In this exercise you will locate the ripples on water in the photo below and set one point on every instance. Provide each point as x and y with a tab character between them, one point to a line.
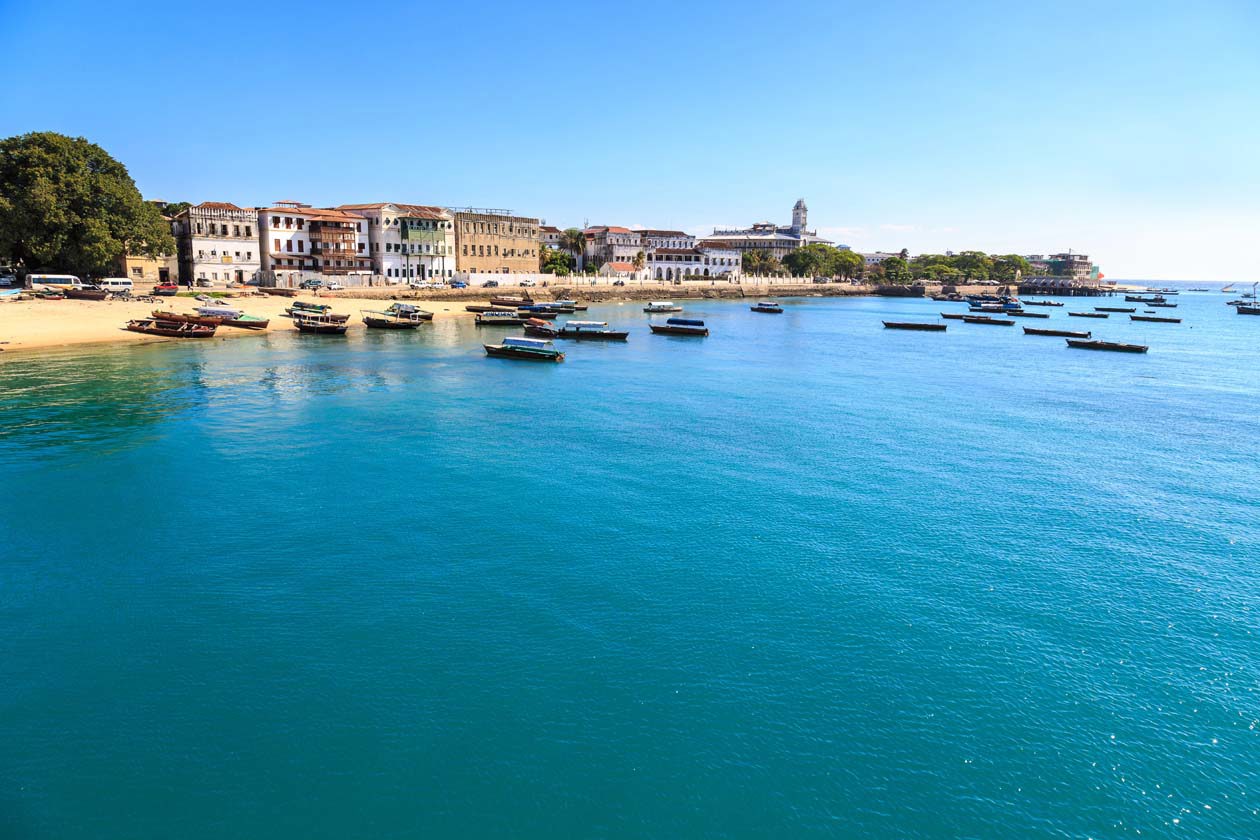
805	577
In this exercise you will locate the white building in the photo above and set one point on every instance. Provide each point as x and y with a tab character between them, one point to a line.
408	241
217	242
606	243
776	240
701	261
877	257
296	238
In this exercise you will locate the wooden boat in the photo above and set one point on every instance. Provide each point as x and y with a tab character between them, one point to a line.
662	306
1059	333
538	328
544	308
953	316
211	310
1106	345
321	324
499	318
1163	305
408	311
1143	299
537	313
300	307
50	295
1042	303
247	322
915	325
480	307
986	319
166	290
591	331
1115	309
1198	290
528	349
380	320
680	326
1227	289
1089	314
767	306
170	329
1022	314
179	318
1244	309
88	293
511	302
1155	319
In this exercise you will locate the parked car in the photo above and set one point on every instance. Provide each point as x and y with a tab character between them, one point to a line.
458	284
311	284
525	284
616	282
490	284
335	286
419	284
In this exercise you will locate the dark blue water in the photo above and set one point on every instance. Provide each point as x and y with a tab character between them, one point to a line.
807	577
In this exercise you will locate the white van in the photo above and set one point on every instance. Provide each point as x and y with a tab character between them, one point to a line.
116	284
56	281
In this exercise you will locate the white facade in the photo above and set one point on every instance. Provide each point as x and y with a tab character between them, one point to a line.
295	237
217	242
776	240
701	261
611	244
408	241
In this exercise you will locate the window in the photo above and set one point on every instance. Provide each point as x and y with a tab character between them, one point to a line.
248	231
301	246
198	227
288	221
137	270
223	229
288	245
249	255
277	248
201	254
236	230
275	221
301	222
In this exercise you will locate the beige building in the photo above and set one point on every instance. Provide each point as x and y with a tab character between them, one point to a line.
495	242
154	270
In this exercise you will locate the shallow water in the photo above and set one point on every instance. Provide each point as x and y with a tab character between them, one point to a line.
804	577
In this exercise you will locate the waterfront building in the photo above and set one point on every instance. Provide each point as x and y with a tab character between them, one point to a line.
297	238
141	269
408	241
622	270
216	242
705	259
609	243
495	242
549	235
877	257
776	240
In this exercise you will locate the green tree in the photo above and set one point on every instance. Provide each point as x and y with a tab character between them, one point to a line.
1007	269
640	260
896	271
65	204
849	264
814	260
573	241
173	208
555	261
974	265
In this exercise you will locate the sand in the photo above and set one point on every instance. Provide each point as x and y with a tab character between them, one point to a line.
39	324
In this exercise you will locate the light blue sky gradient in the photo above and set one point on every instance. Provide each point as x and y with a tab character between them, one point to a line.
1125	130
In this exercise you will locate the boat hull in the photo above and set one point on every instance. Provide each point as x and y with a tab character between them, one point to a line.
995	322
390	324
170	329
664	329
1106	345
1058	333
909	325
503	351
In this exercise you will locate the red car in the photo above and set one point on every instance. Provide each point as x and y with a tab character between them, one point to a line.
166	290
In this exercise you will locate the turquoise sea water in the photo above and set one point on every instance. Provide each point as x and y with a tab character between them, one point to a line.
807	577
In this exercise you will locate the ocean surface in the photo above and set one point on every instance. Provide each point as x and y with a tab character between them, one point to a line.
805	578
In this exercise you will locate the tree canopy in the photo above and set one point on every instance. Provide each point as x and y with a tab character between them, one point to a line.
555	261
66	205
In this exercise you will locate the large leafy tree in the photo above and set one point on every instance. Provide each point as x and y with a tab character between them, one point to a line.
66	205
896	271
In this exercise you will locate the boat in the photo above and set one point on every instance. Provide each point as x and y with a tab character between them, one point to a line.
381	320
1115	309
247	322
953	316
1235	303
511	302
1143	299
1198	290
1001	303
499	318
538	328
529	349
48	294
662	306
1022	314
1059	333
536	313
1106	345
170	329
767	306
545	309
1246	309
1042	303
227	313
915	325
1227	288
179	318
86	293
480	307
301	307
1089	314
986	319
591	331
166	290
1155	319
680	326
408	311
321	324
1163	305
10	293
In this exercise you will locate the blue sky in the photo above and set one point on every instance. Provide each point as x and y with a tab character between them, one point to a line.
1125	130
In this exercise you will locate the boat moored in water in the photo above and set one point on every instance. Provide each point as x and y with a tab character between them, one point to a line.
987	319
499	318
590	331
767	306
379	319
170	329
528	349
680	326
1089	314
1155	319
539	328
1059	333
322	324
1019	313
1115	309
1043	303
915	325
662	306
1107	345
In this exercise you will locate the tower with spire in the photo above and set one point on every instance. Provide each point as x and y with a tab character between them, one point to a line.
799	214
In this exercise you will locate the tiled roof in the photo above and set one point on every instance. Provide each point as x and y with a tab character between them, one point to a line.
317	213
620	266
216	205
676	251
661	232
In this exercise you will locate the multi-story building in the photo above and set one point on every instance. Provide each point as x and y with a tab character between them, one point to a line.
216	242
653	239
550	236
141	269
408	241
495	242
296	238
706	259
776	240
607	243
877	257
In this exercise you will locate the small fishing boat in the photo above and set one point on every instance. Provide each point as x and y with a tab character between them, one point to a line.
87	293
767	306
546	309
321	324
381	320
409	311
1227	288
170	329
1144	299
48	294
1059	333
1198	290
1115	309
499	318
591	331
166	290
1042	303
1155	319
987	319
247	322
1022	314
180	318
511	302
210	310
662	306
480	307
1247	310
915	325
1106	345
537	313
6	294
301	307
529	349
1163	305
953	316
538	328
572	304
680	326
1089	314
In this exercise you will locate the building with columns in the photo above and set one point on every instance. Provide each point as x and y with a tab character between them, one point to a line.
776	240
408	242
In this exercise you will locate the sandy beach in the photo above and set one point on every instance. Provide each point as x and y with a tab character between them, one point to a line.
40	324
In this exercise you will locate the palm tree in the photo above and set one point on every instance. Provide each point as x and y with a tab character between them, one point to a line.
639	260
573	241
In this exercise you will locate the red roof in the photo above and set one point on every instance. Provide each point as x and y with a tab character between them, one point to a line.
217	205
650	232
620	266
